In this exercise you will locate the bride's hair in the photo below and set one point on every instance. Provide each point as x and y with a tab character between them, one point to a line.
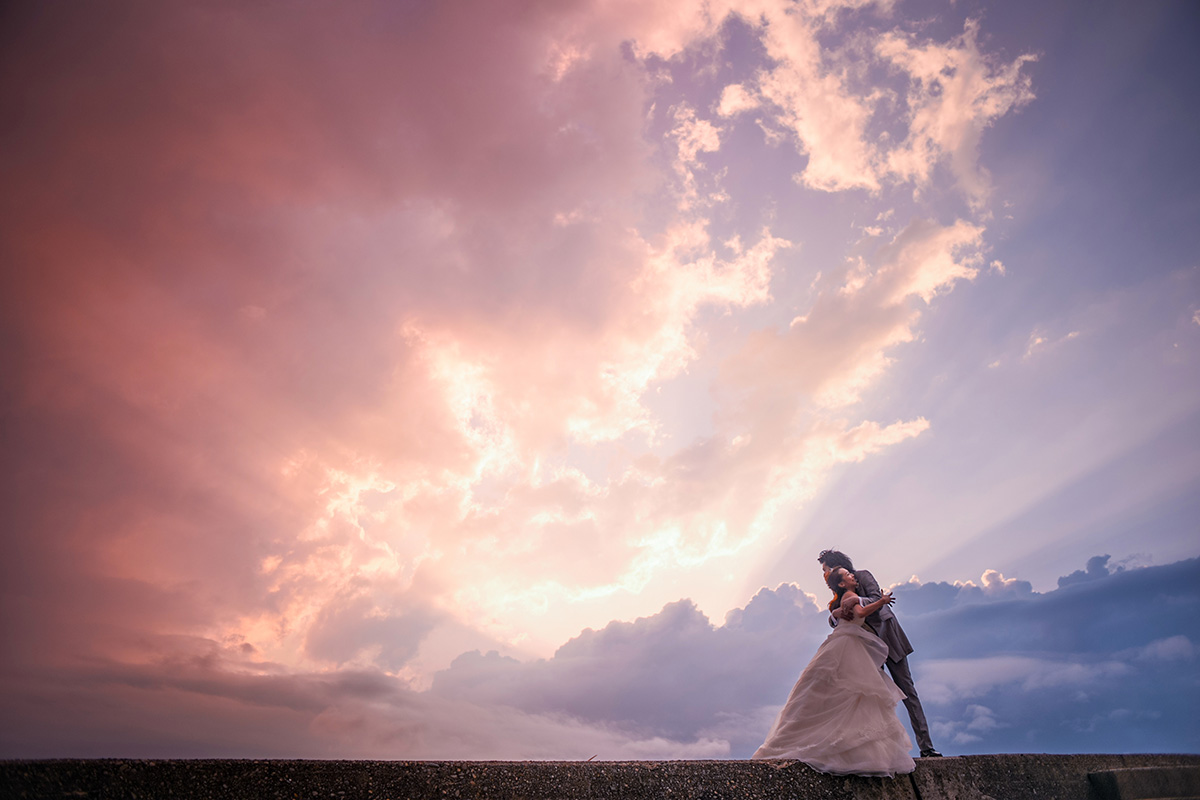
834	581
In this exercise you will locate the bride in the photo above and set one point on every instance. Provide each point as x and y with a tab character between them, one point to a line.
841	715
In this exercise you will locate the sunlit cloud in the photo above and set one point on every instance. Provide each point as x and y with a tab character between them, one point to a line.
956	93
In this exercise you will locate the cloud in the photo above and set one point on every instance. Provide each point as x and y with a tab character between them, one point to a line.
1038	342
351	623
336	366
364	309
672	674
955	93
820	95
922	598
861	313
1097	567
675	674
955	679
979	720
210	708
1072	673
335	341
592	701
735	99
670	685
1172	648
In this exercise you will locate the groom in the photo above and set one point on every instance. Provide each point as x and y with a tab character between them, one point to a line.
885	625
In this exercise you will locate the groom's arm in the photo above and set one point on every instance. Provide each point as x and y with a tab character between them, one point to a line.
868	587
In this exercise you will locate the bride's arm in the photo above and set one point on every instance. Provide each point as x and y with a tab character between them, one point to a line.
870	608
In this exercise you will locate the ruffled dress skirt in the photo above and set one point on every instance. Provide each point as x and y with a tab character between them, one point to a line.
841	715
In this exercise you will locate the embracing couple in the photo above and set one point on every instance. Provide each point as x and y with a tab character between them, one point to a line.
841	715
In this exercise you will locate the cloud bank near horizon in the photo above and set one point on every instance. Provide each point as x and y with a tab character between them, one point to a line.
1088	667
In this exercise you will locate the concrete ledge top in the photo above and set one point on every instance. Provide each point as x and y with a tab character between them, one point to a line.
990	777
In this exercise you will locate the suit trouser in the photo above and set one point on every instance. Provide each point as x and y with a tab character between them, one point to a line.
903	678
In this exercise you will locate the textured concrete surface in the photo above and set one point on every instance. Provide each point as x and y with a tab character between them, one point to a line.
967	778
1001	777
1147	783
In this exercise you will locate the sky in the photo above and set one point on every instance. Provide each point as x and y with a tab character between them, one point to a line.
480	380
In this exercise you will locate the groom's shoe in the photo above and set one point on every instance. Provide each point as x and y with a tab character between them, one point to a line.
929	752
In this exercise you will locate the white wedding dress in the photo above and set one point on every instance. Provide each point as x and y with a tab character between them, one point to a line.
841	715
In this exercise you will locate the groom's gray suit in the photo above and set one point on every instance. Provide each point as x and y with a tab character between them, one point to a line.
885	625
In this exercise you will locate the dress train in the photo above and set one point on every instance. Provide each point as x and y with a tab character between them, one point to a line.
840	717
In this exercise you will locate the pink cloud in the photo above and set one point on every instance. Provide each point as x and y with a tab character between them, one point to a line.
861	313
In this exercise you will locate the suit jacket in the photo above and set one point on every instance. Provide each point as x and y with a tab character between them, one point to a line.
883	621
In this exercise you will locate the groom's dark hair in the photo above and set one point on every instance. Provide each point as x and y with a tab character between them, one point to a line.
834	559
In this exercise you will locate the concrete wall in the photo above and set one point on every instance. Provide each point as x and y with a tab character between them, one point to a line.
996	777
